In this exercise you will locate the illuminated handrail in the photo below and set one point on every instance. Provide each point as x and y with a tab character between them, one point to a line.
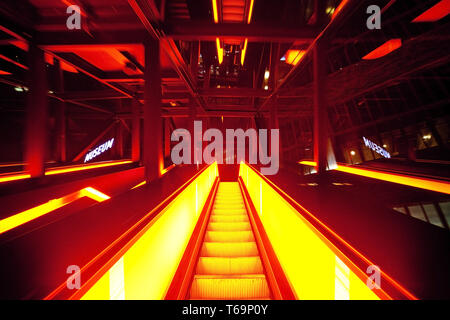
280	287
312	278
36	212
141	262
417	182
182	280
59	170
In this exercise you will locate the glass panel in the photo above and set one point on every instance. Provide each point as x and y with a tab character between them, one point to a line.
400	209
433	215
445	207
417	212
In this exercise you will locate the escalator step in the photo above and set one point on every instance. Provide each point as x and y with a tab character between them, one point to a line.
229	265
228	218
229	249
229	236
236	206
229	226
228	211
232	203
235	287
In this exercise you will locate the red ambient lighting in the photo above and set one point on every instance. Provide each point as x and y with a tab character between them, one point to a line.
384	49
435	13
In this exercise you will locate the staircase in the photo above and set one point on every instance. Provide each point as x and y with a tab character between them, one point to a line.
229	266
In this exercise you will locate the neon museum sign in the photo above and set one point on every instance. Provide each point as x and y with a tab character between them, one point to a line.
376	148
181	152
99	150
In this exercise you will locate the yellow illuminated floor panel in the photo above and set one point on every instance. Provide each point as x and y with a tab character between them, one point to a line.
229	266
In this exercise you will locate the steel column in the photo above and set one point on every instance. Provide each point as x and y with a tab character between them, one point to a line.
37	114
320	105
153	157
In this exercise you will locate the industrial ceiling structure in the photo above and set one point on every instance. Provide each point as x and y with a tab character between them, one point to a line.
242	59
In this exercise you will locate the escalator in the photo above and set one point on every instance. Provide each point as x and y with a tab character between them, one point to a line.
219	239
229	265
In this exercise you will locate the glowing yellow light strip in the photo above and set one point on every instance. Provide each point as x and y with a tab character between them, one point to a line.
138	185
219	51
94	194
216	20
84	167
165	170
244	50
250	12
308	163
11	164
38	211
422	183
14	177
215	12
21	176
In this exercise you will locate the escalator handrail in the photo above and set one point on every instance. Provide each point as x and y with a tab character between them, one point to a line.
101	263
280	287
182	279
347	253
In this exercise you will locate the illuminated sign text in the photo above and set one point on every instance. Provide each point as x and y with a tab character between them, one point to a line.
376	148
99	150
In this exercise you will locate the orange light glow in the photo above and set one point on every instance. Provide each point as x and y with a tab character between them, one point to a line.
219	51
84	167
38	211
384	49
21	44
422	183
215	12
244	50
67	67
435	13
4	72
250	11
293	56
49	59
13	177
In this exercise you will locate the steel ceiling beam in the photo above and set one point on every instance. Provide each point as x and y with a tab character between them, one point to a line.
150	13
347	8
89	73
206	31
234	92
